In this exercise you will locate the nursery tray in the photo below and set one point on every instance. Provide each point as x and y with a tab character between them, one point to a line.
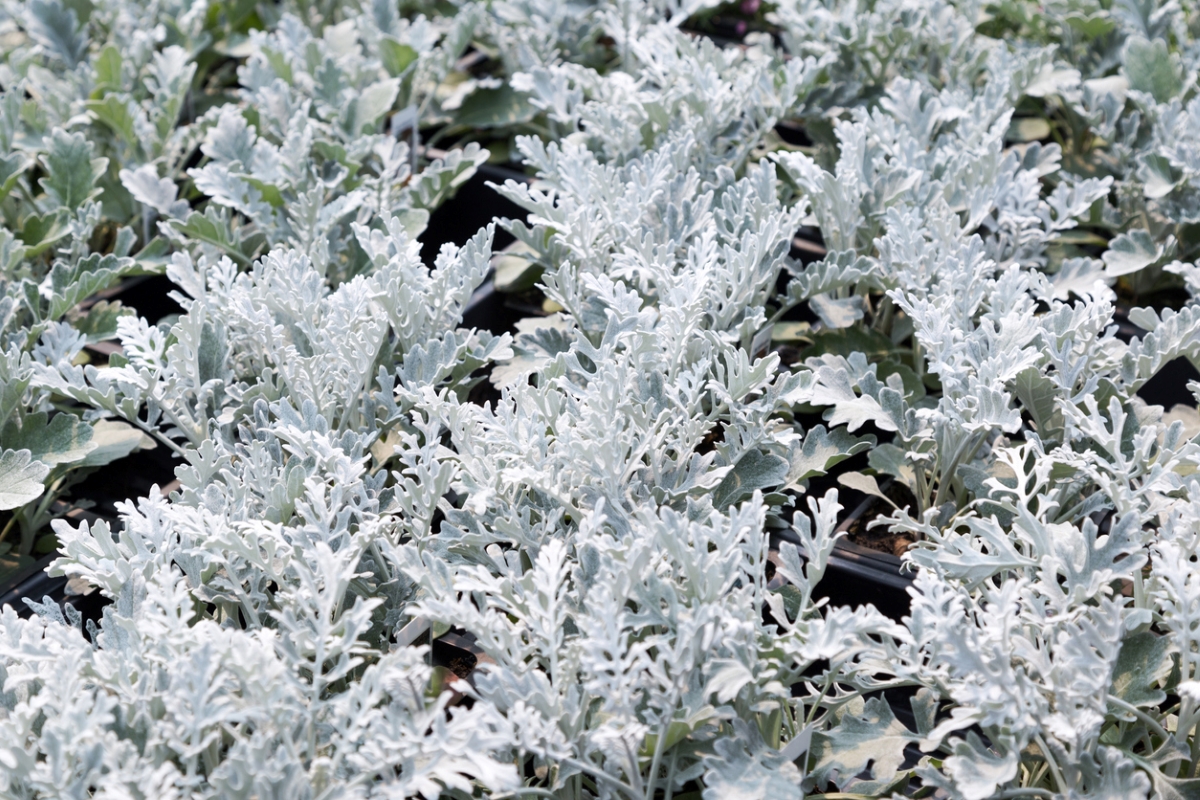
15	572
37	585
472	207
857	575
1169	388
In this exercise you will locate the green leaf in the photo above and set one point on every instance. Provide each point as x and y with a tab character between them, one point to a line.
867	734
1037	394
41	232
152	259
1157	177
114	112
100	322
793	599
413	221
1142	666
821	450
276	59
924	707
114	439
1080	237
62	439
73	285
515	269
845	341
56	28
1133	251
1091	26
211	229
678	730
493	108
83	9
11	392
396	57
20	478
441	179
269	191
8	313
914	387
755	470
107	71
1167	787
1028	129
11	168
212	353
71	171
367	108
1152	69
888	459
865	484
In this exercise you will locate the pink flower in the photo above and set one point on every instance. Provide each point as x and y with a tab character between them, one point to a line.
750	7
740	27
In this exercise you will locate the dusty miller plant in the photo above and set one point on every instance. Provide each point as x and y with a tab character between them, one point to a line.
600	527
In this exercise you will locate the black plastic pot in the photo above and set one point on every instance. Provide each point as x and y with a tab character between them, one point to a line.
491	311
1168	388
473	206
12	586
858	575
37	585
148	295
808	245
131	477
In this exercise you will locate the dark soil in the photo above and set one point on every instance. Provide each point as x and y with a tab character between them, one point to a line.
878	538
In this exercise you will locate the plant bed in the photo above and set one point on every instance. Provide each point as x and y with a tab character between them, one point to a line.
462	515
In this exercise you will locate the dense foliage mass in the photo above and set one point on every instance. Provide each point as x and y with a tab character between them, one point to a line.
1006	197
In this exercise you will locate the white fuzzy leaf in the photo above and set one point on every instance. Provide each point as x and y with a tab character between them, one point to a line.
20	478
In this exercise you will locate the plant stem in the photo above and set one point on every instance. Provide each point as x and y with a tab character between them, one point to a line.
669	790
817	703
616	783
1055	772
1142	715
659	746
